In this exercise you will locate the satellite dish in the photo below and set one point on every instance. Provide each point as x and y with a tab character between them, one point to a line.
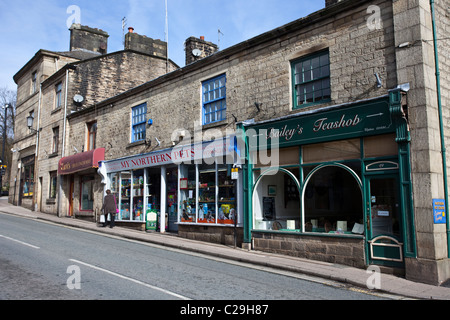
78	98
196	53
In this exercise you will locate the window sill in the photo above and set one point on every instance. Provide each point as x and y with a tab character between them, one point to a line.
50	201
53	155
215	124
135	144
56	110
302	106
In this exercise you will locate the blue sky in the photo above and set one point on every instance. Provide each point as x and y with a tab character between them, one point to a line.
28	26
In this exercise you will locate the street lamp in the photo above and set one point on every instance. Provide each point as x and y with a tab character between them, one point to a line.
30	120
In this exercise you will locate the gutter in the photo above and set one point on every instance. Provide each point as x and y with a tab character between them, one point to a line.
441	125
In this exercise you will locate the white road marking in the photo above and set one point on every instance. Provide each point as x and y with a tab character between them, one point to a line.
131	279
21	242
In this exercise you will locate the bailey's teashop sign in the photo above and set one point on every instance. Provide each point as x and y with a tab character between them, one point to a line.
364	119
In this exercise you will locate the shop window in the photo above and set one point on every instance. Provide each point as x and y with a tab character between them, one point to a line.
332	151
379	146
53	184
58	95
284	157
226	202
138	118
92	134
129	189
277	201
87	192
332	201
311	79
125	196
138	195
188	193
207	194
214	100
28	180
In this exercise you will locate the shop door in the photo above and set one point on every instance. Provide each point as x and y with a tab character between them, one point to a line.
383	220
172	199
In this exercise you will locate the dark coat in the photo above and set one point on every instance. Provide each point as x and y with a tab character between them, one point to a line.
109	204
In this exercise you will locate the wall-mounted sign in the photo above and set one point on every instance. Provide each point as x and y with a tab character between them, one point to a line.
439	211
343	122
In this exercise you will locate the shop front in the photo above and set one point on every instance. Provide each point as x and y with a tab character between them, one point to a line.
175	190
332	185
79	181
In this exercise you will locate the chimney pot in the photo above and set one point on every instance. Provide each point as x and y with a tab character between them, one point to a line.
202	38
130	29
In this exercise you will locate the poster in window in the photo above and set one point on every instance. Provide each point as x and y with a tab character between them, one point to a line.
269	209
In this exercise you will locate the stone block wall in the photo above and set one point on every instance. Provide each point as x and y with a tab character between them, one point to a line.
212	234
341	250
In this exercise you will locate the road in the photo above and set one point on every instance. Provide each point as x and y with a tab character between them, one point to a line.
40	260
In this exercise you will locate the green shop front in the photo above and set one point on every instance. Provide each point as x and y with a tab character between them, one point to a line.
333	184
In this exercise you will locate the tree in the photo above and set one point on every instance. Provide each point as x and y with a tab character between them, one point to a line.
7	97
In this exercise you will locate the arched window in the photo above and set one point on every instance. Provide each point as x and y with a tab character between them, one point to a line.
276	200
332	200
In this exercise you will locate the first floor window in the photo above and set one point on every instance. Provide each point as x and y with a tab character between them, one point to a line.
58	95
311	77
55	143
214	100
87	192
92	133
138	116
53	184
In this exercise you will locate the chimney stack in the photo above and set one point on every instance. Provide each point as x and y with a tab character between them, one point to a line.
143	44
198	48
86	38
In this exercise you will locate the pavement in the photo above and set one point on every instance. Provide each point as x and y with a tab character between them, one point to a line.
388	284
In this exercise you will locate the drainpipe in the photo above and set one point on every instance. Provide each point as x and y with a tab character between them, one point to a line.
69	67
441	124
36	153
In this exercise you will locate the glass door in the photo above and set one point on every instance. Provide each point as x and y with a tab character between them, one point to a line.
384	220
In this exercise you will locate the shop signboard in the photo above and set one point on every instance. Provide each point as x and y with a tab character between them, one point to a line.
182	154
439	211
337	123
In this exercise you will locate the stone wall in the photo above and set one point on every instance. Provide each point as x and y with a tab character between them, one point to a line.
341	250
212	234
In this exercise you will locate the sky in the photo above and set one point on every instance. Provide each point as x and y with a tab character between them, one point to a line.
30	25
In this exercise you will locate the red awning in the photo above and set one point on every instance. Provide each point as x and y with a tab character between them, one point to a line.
81	161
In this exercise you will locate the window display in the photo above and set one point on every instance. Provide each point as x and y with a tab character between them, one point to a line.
204	194
227	196
188	192
87	192
125	196
207	194
138	195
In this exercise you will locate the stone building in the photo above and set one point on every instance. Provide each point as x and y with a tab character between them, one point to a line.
53	85
349	103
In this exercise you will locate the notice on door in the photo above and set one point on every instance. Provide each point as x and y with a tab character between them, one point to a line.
439	211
